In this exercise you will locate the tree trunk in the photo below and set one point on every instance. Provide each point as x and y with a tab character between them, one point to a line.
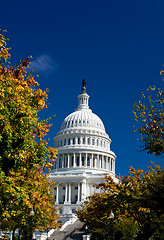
13	233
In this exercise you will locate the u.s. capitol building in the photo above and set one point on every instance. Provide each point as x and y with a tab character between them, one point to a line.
84	157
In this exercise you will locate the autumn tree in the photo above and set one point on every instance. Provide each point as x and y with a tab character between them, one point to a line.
149	113
138	197
24	153
130	201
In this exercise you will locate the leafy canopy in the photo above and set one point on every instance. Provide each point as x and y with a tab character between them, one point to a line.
24	153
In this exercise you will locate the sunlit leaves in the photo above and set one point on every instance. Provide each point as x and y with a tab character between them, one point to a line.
149	113
136	199
24	153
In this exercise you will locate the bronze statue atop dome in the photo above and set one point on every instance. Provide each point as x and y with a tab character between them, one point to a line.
84	84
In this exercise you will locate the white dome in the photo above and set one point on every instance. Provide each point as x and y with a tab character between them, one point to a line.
83	119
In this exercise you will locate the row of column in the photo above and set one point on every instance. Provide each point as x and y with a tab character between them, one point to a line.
74	160
81	193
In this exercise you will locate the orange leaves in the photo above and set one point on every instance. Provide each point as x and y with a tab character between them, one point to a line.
40	98
136	199
149	113
4	54
23	151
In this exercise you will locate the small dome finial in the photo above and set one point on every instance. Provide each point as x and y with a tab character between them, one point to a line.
84	88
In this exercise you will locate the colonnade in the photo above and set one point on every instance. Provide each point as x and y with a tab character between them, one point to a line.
69	193
86	160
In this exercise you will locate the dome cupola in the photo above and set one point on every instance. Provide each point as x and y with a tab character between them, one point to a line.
83	117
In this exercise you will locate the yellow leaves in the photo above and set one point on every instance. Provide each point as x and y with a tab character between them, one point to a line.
23	157
41	130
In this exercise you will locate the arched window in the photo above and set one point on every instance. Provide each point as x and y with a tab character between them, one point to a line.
93	141
97	142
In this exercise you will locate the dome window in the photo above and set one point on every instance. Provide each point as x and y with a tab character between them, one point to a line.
79	121
97	142
73	141
61	143
93	141
88	141
78	140
83	140
69	141
64	141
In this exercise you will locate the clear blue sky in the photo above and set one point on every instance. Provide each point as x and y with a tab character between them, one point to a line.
118	46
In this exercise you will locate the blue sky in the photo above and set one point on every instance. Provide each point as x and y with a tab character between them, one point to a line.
118	46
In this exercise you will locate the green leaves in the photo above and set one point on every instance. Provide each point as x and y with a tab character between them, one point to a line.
149	114
23	150
137	200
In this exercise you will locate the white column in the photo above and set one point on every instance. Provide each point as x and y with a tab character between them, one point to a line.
102	159
69	196
114	165
83	192
58	161
62	160
91	161
107	163
111	164
86	160
78	196
68	160
66	190
57	194
98	162
80	160
74	160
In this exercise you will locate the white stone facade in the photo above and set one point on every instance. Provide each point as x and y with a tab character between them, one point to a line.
84	157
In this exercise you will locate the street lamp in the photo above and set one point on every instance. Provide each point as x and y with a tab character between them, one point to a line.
111	216
32	213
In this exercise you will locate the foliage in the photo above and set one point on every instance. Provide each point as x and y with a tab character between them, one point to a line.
23	150
132	200
149	113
